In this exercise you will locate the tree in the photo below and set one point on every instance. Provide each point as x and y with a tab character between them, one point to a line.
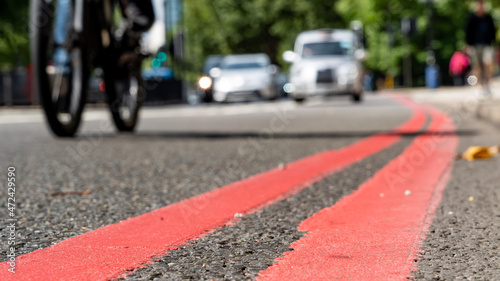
258	26
14	33
243	26
450	17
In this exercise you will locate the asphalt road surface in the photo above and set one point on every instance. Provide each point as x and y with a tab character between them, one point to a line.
72	188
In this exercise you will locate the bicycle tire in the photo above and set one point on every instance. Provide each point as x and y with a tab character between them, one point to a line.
41	32
117	99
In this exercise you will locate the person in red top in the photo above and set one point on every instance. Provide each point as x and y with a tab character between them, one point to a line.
459	66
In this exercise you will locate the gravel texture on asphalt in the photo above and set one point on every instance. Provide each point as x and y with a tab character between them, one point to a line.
464	239
242	250
168	160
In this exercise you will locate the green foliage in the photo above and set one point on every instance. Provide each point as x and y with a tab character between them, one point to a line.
243	26
14	43
450	17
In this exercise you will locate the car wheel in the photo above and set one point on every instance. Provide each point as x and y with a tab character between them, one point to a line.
208	97
274	97
357	98
299	100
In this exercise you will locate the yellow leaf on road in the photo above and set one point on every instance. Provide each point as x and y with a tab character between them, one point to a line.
480	152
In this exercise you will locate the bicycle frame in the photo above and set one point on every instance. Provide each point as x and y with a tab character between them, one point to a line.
92	21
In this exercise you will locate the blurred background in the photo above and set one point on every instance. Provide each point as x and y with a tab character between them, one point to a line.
405	39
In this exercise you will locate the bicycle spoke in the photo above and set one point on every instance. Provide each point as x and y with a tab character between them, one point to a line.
57	83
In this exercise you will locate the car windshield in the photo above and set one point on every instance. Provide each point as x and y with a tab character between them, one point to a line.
323	49
244	65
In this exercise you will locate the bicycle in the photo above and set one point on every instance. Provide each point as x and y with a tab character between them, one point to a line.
94	39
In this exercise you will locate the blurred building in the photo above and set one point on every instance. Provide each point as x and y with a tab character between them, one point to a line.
168	15
173	12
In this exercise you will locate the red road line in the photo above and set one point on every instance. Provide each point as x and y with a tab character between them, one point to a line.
111	250
374	233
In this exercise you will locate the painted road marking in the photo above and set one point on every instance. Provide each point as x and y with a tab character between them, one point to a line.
367	236
109	251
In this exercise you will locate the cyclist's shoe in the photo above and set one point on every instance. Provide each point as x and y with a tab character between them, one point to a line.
487	91
129	55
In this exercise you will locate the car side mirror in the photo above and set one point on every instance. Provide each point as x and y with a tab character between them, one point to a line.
215	72
273	69
290	56
360	55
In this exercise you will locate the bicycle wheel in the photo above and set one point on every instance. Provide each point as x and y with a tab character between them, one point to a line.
125	95
61	87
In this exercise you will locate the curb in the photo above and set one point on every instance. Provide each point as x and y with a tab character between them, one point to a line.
487	109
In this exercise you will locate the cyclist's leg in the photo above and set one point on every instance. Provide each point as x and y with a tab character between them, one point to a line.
476	69
62	20
61	26
488	65
480	62
140	17
141	14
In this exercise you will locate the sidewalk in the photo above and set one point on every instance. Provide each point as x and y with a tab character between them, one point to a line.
466	98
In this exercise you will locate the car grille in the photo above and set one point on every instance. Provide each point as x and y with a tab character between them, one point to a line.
325	76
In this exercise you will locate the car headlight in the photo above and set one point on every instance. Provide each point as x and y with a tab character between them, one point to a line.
215	72
205	82
289	88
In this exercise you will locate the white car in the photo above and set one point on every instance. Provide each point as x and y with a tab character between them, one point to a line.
325	62
244	77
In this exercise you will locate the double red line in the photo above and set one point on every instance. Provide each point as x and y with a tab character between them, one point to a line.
374	233
114	249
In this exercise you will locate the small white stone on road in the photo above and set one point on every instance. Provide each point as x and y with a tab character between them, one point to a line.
408	192
238	215
382	195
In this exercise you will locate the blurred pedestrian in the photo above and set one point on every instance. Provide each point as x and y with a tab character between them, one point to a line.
459	67
480	37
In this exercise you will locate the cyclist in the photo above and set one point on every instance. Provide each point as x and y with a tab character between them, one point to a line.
139	18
